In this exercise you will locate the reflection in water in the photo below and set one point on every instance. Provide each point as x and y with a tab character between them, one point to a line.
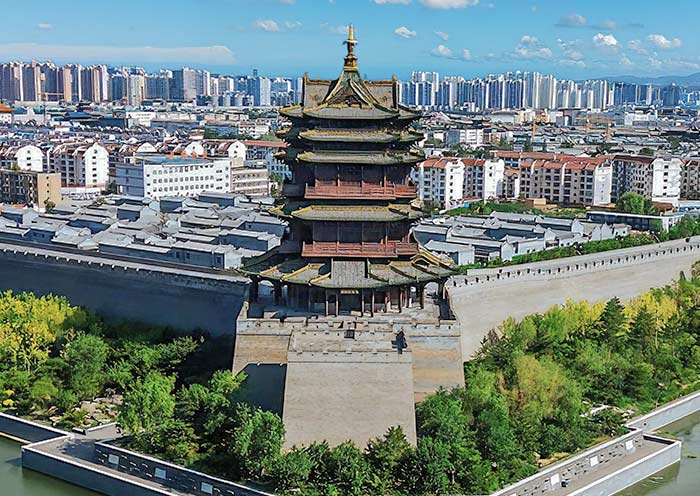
16	481
682	479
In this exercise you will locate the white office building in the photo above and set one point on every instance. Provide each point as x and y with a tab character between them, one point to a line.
468	137
159	176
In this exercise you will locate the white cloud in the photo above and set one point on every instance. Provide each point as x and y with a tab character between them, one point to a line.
447	53
665	65
442	51
335	29
292	24
636	46
442	35
572	21
287	2
573	54
571	50
601	40
404	32
625	61
606	24
385	2
44	25
267	25
449	4
531	48
572	63
660	41
533	53
215	54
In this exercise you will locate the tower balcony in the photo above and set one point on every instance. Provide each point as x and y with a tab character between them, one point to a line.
390	249
359	190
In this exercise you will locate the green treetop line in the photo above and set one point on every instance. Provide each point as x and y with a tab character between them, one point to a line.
526	401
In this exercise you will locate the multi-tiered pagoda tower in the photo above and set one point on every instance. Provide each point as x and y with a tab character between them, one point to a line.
350	202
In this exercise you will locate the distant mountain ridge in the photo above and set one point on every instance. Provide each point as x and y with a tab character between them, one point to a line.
689	80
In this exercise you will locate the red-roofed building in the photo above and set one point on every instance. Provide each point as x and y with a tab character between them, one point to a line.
567	180
449	180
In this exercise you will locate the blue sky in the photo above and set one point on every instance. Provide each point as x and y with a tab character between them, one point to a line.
569	38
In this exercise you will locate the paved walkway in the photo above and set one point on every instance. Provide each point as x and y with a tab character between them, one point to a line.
81	450
621	462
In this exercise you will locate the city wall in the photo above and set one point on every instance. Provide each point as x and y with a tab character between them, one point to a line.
117	289
434	345
484	298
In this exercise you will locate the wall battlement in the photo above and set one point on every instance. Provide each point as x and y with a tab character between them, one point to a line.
118	289
484	298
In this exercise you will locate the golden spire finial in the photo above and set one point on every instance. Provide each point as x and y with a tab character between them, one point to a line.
350	58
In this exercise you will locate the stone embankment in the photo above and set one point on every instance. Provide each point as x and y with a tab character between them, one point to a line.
612	466
88	461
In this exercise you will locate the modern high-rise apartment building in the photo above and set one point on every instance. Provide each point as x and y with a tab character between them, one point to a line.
183	87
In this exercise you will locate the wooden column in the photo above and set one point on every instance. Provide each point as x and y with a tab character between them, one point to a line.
254	290
387	296
400	299
421	295
325	297
362	303
371	308
337	302
278	292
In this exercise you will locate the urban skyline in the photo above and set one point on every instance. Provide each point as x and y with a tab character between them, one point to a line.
73	83
577	40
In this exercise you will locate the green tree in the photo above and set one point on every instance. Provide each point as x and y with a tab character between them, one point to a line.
256	440
86	356
346	470
291	471
148	403
172	440
43	391
386	455
613	322
631	203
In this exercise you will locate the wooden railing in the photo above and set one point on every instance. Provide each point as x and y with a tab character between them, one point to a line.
370	250
360	190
